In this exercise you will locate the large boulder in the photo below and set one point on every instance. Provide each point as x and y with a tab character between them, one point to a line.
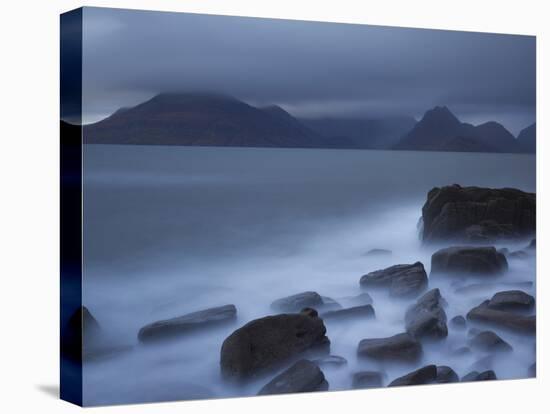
512	321
400	347
426	319
367	379
186	324
477	214
403	280
512	300
468	261
303	376
269	342
355	312
424	375
299	301
489	341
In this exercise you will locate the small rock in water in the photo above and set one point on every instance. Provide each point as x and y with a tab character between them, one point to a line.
185	324
476	376
364	311
378	252
503	319
331	361
458	322
427	319
489	341
511	300
446	375
404	280
295	303
469	261
367	379
400	347
269	342
303	376
424	375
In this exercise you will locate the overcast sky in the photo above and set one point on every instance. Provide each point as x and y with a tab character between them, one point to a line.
311	69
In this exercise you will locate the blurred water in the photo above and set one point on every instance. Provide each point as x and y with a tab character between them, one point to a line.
171	230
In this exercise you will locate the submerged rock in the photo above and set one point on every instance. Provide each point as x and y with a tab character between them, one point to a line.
303	376
367	379
364	311
504	319
477	214
446	375
424	375
427	319
268	342
400	347
476	261
458	322
185	324
476	376
404	280
331	361
490	342
511	300
299	301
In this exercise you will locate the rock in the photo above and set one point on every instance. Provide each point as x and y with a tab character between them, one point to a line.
446	375
504	319
367	379
519	254
489	341
364	311
303	376
185	324
400	347
460	261
473	332
427	319
476	376
80	334
404	280
458	322
477	214
511	300
295	303
269	342
378	253
329	303
504	251
331	361
359	300
424	375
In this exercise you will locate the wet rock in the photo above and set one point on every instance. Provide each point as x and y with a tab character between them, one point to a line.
186	324
446	375
476	214
356	312
427	319
458	322
460	261
519	323
489	341
359	300
400	347
367	379
297	302
378	253
303	376
424	375
511	300
331	361
269	342
404	280
476	376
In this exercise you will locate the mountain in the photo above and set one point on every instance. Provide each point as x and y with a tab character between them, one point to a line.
527	139
440	130
381	133
203	119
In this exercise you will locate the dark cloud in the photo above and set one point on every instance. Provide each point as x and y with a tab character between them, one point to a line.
309	68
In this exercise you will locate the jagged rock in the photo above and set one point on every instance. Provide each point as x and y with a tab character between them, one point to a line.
458	322
367	379
378	253
268	342
404	280
490	342
330	361
424	375
303	376
186	324
504	319
364	311
476	376
295	303
477	214
460	261
427	319
511	300
400	347
446	375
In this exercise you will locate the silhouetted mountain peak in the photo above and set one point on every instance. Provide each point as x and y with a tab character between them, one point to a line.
440	115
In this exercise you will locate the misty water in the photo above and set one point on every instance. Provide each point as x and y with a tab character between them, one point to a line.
172	230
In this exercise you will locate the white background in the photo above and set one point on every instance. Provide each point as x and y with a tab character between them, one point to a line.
29	194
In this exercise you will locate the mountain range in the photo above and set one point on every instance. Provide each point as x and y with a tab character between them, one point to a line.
206	119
